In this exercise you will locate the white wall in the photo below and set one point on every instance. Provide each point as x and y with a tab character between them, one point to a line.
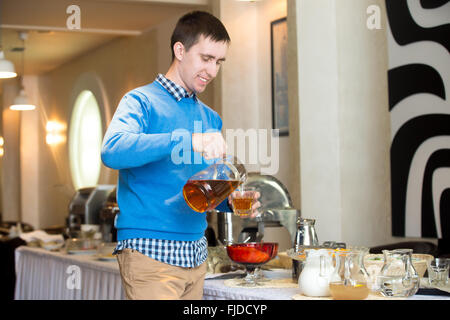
36	179
344	121
245	79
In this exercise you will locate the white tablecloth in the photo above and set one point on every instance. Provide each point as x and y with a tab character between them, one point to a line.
43	275
216	289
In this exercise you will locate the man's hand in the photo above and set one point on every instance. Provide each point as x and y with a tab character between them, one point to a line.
211	145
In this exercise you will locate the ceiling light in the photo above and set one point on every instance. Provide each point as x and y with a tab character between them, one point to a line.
6	68
21	102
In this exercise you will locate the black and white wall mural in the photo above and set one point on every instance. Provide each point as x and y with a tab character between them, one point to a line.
419	88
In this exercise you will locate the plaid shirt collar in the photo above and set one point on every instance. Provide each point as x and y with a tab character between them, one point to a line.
178	92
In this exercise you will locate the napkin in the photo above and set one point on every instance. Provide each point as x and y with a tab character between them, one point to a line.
40	235
433	292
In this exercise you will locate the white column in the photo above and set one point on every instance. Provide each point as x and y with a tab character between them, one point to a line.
29	157
319	116
344	121
10	162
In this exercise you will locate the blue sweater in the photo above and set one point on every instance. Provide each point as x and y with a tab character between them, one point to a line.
149	142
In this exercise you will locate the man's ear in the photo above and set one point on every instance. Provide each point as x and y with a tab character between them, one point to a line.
178	49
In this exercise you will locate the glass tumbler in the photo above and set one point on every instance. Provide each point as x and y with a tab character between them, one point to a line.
242	200
438	272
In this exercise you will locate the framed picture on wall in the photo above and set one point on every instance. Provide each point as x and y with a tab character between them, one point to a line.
278	44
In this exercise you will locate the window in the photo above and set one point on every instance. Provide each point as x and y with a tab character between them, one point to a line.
85	141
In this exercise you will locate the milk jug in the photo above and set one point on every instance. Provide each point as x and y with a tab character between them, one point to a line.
316	274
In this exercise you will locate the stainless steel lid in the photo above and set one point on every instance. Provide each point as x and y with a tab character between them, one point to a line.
274	195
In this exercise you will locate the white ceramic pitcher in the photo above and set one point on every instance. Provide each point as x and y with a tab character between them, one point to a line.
316	274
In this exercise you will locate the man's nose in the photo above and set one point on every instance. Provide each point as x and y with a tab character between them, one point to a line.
212	70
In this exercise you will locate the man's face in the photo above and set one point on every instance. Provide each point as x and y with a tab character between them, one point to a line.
200	65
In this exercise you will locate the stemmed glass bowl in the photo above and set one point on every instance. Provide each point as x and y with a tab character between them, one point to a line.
252	255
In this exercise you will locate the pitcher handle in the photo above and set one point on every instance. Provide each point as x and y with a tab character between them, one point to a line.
407	280
322	266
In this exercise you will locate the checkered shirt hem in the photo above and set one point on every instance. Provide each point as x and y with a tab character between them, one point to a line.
186	254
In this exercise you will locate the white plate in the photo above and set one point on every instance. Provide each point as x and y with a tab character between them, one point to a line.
103	258
82	251
52	247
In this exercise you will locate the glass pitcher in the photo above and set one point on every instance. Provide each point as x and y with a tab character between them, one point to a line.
206	189
349	280
398	277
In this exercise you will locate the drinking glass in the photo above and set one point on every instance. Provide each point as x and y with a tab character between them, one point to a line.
242	200
438	272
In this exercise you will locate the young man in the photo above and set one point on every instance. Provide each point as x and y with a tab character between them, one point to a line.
161	244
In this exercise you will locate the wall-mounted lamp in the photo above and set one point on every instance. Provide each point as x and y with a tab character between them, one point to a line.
55	132
2	141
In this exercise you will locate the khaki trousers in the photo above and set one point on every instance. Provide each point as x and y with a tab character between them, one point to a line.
144	278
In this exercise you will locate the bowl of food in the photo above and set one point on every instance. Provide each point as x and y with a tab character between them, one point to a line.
219	262
281	260
82	245
374	263
51	245
105	251
252	255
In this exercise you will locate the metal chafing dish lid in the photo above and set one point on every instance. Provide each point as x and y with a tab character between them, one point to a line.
274	195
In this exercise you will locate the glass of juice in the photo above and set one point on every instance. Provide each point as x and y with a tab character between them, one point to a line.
242	200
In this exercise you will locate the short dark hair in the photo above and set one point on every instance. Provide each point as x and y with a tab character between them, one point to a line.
193	24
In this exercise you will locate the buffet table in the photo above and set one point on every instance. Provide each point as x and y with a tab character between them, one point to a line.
46	275
214	289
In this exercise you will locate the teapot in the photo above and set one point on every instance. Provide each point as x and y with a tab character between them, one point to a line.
206	189
316	274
